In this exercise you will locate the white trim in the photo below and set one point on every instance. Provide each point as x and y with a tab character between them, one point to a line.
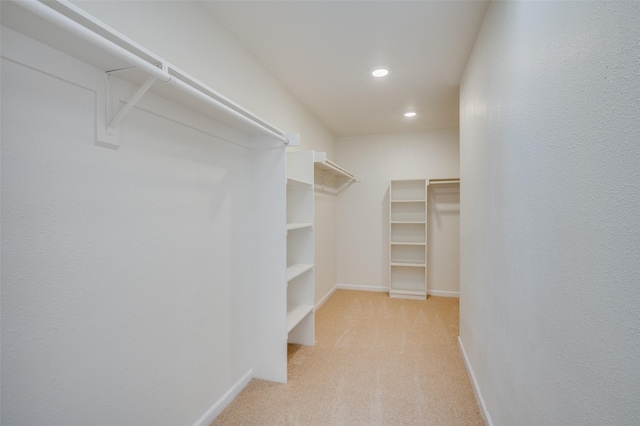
222	403
476	388
325	298
444	293
382	289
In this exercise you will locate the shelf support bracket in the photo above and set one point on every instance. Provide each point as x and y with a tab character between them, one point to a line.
130	104
108	134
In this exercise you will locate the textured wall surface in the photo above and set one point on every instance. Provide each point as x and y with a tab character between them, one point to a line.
550	195
124	274
443	235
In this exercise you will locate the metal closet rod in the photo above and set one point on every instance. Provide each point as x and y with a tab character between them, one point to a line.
161	73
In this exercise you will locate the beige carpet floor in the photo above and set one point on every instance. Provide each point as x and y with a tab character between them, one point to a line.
377	361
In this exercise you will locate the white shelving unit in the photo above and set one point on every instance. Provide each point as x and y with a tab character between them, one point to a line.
328	176
408	239
300	280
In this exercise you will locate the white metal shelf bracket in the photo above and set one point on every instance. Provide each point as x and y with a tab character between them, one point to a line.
130	104
109	117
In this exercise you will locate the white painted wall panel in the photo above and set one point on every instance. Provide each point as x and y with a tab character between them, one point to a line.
550	195
325	262
121	269
443	230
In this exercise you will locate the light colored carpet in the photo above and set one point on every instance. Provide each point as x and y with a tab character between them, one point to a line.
377	361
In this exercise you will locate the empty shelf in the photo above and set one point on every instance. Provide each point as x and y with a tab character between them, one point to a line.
292	226
443	180
333	178
413	264
294	271
291	182
295	314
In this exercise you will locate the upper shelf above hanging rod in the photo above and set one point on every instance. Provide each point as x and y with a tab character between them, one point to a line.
71	30
443	181
332	178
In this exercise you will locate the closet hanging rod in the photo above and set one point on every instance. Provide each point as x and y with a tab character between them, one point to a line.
207	98
160	71
47	13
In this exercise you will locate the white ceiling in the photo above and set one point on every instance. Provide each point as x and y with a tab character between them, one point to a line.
323	52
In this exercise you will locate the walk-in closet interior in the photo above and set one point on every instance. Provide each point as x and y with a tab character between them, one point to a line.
317	212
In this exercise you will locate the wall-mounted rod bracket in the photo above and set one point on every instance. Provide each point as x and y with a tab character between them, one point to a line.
130	104
109	113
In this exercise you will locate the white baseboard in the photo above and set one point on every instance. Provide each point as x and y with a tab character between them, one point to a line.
384	289
363	287
444	293
325	298
222	403
476	388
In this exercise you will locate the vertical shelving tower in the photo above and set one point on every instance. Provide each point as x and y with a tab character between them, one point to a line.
408	239
300	280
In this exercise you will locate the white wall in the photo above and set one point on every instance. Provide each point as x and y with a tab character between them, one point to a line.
363	208
325	242
185	34
443	245
122	271
550	195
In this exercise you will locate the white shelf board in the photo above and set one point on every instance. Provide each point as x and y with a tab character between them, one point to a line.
435	181
409	221
411	264
332	178
410	243
295	314
323	166
296	270
292	226
407	201
296	183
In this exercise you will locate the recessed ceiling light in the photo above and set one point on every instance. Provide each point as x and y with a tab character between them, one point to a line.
380	72
410	114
